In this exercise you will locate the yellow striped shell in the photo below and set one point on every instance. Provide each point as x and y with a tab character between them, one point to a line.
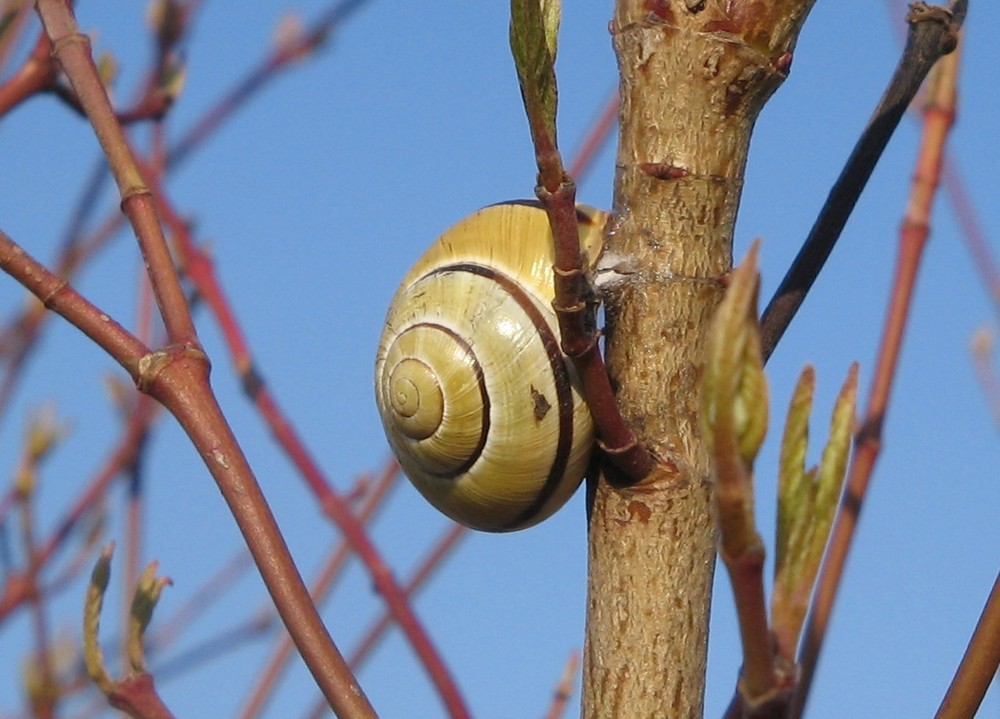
479	404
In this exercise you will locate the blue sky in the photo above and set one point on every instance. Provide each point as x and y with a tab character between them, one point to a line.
317	197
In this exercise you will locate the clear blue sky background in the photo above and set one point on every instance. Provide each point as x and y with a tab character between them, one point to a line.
317	197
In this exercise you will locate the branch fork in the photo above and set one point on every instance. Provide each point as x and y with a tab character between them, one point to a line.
155	364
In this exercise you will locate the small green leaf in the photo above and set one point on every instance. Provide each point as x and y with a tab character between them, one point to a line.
173	78
44	432
807	502
734	389
534	29
752	397
107	69
734	405
833	467
793	490
93	657
147	594
551	12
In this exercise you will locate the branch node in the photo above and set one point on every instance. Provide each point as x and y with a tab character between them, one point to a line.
70	39
47	298
149	368
127	193
664	170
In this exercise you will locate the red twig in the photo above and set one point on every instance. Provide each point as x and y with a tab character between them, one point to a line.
564	690
280	57
976	241
133	472
198	267
136	696
989	380
320	588
16	17
121	457
596	137
177	376
578	331
71	49
37	74
534	51
979	665
433	561
19	336
44	695
954	186
939	115
369	641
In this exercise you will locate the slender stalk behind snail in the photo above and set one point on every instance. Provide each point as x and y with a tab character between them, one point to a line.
479	404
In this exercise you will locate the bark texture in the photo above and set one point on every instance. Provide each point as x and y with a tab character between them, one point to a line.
694	76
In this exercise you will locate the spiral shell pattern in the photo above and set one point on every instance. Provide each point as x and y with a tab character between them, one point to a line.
477	400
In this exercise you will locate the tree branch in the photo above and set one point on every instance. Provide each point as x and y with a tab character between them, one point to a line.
932	33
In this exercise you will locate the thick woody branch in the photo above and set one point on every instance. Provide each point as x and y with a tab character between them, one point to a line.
694	76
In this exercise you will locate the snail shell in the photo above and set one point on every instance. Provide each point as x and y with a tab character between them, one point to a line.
478	402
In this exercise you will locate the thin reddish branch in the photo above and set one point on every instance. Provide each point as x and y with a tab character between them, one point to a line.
534	60
36	75
424	571
595	139
986	371
268	677
579	336
758	678
564	690
370	491
199	269
56	295
178	377
133	472
123	458
979	665
734	410
973	233
136	696
71	48
25	329
170	375
932	32
976	241
280	57
17	17
19	337
44	694
123	455
939	115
